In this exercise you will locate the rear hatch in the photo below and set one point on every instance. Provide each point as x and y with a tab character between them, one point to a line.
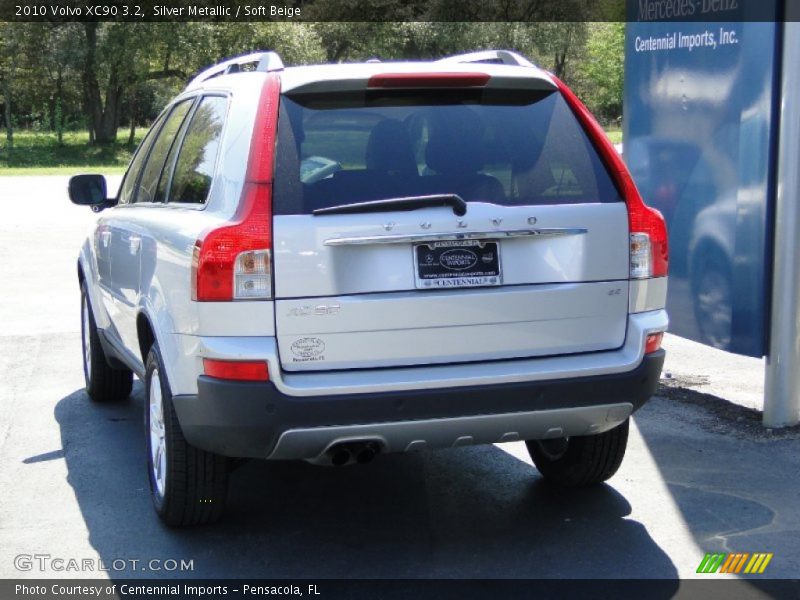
419	226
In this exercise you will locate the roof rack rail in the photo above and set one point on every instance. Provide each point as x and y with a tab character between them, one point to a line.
503	57
267	61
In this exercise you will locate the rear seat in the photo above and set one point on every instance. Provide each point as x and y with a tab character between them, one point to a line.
392	171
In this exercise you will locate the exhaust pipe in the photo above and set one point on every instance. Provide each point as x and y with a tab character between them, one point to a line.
340	455
367	453
345	453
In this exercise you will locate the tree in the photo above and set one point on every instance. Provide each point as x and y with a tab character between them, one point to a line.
603	68
7	50
103	75
122	55
343	41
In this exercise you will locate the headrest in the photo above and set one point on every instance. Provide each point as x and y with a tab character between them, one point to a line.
389	149
456	144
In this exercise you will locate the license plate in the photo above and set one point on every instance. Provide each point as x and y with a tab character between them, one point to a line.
457	264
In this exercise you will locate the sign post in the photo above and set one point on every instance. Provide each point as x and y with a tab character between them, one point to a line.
782	382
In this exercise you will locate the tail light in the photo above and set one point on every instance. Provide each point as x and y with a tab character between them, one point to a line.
648	232
653	342
234	261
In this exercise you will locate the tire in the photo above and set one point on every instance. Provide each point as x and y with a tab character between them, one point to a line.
103	383
188	486
580	461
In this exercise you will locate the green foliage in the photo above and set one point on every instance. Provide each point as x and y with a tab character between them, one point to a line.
62	77
603	69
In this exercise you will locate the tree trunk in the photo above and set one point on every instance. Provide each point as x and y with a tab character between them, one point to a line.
59	116
134	111
106	129
559	64
103	120
51	113
91	89
7	116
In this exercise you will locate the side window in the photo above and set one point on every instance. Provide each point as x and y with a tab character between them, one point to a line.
158	152
169	164
197	157
132	174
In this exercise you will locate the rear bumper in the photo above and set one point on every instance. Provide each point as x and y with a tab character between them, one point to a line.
243	419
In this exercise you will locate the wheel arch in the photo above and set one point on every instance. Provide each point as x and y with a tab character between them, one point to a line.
151	331
86	280
145	334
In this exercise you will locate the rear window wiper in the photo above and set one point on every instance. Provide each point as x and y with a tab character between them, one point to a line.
406	203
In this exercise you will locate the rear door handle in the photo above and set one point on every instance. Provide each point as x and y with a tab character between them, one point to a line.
135	243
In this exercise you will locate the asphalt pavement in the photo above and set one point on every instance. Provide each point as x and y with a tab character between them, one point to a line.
701	474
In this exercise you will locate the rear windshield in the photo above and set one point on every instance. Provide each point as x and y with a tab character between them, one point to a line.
511	148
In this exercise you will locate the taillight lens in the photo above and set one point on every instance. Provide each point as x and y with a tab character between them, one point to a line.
649	252
646	223
236	370
641	256
234	261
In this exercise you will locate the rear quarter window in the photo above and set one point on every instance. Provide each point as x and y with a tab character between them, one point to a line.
197	157
128	186
148	183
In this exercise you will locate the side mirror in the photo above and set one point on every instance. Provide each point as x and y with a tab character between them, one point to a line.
88	190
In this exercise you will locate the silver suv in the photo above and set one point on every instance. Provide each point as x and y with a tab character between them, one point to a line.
332	262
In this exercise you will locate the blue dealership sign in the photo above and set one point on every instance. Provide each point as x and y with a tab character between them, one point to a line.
699	137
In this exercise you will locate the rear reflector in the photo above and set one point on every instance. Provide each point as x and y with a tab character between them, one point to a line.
236	370
428	80
653	342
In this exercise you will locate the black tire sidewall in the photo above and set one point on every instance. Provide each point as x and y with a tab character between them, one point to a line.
578	466
91	376
104	383
153	363
195	481
90	324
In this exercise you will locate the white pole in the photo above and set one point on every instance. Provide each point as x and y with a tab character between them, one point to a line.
782	383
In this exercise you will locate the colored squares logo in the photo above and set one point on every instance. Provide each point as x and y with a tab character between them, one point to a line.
737	562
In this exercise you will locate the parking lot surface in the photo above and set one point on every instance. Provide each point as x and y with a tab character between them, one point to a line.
701	475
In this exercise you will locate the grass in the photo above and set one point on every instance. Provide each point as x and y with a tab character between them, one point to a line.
615	135
36	153
66	171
